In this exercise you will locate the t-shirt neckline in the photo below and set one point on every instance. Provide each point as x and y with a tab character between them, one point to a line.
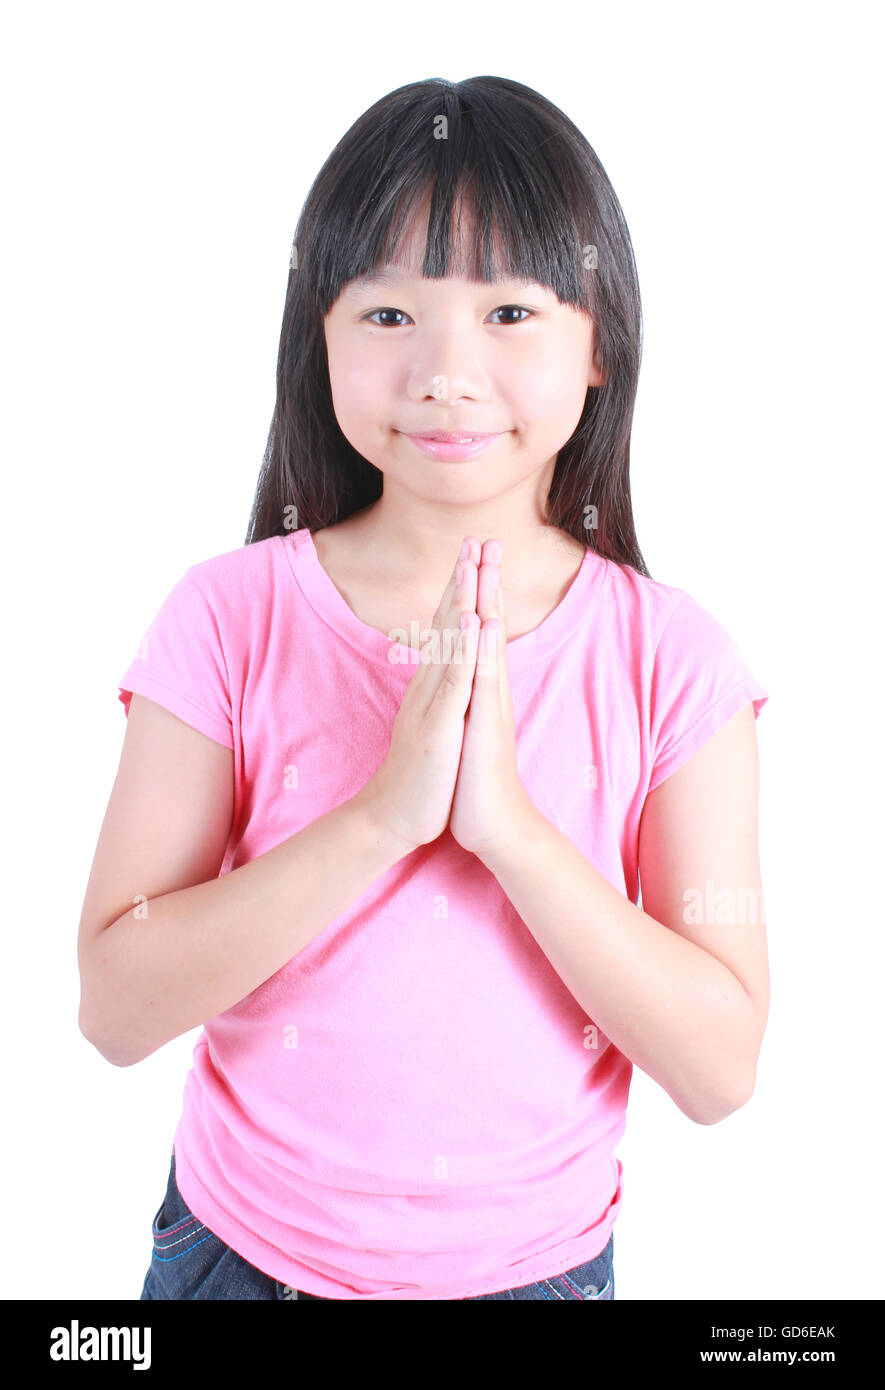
331	606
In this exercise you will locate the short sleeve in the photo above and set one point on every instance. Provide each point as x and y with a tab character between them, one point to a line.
699	680
180	663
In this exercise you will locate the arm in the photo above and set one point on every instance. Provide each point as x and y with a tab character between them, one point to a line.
686	1001
198	944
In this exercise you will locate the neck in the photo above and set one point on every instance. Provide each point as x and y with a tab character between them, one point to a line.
423	546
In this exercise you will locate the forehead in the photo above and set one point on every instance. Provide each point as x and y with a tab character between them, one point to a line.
402	258
396	275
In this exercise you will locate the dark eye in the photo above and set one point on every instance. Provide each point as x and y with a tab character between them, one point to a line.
370	317
504	308
519	309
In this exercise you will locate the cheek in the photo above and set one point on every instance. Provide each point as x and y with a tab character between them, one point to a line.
358	384
547	389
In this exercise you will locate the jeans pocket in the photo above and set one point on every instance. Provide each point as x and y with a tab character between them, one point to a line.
592	1281
184	1251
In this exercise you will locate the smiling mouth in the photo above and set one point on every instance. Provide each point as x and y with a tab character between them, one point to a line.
448	437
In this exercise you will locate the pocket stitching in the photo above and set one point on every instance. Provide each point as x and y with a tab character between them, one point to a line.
579	1291
172	1230
167	1259
571	1283
550	1284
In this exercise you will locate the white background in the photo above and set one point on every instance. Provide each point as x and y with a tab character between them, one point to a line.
154	165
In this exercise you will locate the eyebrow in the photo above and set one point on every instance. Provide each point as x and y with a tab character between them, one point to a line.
381	275
392	274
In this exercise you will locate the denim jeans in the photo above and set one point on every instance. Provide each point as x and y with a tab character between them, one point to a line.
190	1261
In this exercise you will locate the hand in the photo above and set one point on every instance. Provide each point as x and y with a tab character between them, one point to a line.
410	796
490	799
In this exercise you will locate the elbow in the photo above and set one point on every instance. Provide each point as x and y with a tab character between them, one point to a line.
113	1055
109	1050
725	1095
718	1108
714	1116
118	1059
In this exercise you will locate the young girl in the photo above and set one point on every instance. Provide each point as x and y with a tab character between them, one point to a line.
394	769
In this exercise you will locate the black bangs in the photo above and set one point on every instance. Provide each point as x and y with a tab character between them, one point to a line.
448	156
497	183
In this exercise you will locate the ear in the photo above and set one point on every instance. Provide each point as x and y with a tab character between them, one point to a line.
596	373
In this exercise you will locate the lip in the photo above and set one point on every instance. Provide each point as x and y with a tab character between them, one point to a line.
450	445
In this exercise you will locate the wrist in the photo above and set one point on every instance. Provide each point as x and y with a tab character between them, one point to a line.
522	825
377	827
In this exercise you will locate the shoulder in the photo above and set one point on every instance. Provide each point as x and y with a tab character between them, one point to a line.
644	606
663	622
241	576
686	661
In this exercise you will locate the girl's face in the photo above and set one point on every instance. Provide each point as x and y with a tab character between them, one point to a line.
408	355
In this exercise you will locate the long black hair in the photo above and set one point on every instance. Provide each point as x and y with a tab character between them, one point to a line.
535	187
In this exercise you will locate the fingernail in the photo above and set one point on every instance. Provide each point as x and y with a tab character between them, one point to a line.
465	550
459	573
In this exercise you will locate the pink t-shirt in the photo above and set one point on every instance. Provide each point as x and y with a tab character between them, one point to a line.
415	1105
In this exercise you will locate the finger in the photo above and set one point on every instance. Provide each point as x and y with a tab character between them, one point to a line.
464	598
489	602
485	680
444	611
456	683
489	597
444	606
461	599
443	643
497	605
484	710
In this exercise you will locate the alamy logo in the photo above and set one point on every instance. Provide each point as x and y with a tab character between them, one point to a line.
76	1343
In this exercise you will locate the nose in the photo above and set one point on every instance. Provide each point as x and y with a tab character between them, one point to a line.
446	365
